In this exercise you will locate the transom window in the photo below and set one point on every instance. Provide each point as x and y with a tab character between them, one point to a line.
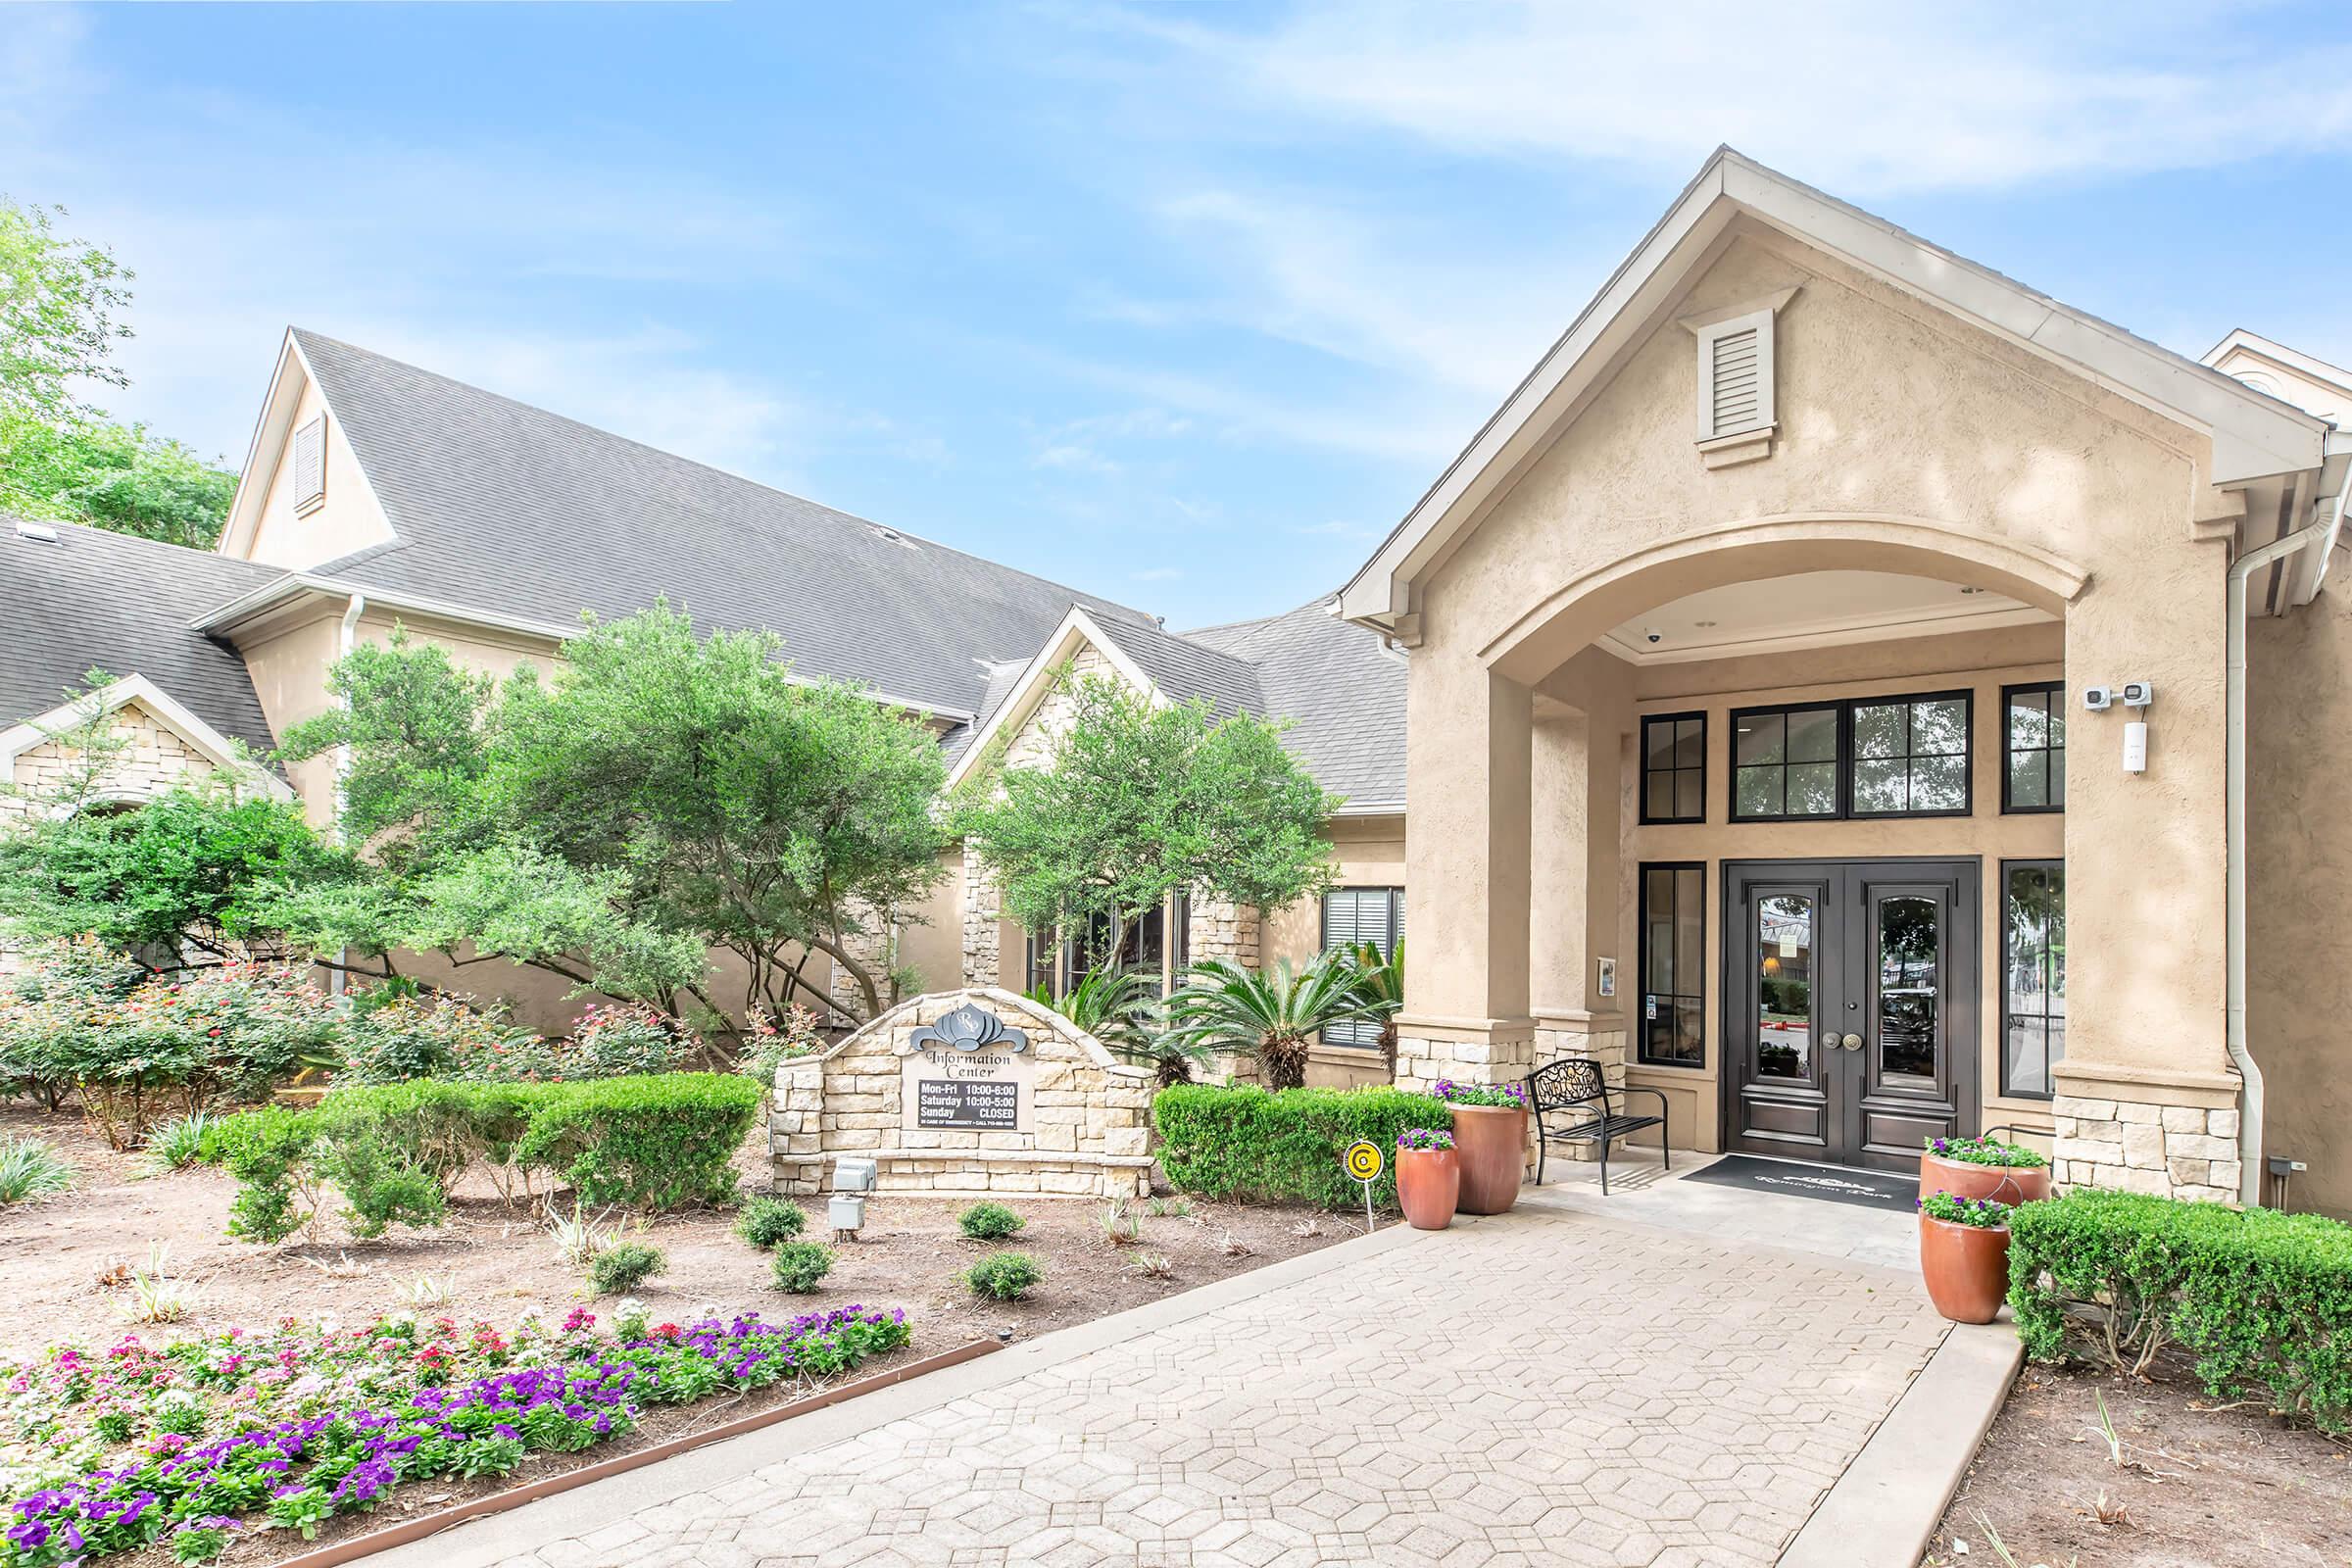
1672	1029
1354	917
1911	756
1785	762
2034	975
2034	772
1674	767
1904	756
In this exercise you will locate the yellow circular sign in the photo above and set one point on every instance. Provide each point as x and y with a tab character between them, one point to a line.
1362	1160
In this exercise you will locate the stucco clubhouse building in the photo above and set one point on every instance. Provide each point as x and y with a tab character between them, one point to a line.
1841	688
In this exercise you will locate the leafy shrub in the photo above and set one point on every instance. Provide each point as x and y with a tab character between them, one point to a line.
133	1052
989	1222
31	1168
770	1222
800	1265
769	1043
1257	1145
656	1142
1005	1276
618	1270
2262	1301
1977	1213
394	1037
394	1149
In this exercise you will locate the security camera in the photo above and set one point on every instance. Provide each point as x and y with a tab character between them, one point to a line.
1653	634
2097	699
2139	692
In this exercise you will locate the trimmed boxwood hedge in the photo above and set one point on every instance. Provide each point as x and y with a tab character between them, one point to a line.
2263	1300
655	1141
1285	1143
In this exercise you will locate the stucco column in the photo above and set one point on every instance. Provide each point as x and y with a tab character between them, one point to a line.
2146	1096
1467	875
1575	845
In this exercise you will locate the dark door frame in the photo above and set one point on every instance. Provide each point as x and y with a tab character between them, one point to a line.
1963	1024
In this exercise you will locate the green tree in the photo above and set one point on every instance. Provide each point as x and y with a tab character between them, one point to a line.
59	300
660	795
184	879
1137	800
1271	1017
89	469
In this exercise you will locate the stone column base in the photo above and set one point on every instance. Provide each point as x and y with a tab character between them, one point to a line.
1599	1036
2174	1135
1492	1050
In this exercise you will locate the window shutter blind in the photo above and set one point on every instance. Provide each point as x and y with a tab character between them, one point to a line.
1736	369
310	463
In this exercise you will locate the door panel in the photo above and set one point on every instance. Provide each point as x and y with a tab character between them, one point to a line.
1849	1000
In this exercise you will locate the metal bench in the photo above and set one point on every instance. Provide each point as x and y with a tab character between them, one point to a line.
1569	1090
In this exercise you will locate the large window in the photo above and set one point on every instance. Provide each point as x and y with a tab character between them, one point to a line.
2034	975
1910	755
2034	772
1672	1029
1674	767
1785	762
1864	756
1059	968
1351	919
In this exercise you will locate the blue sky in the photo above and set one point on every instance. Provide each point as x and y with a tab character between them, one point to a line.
1184	305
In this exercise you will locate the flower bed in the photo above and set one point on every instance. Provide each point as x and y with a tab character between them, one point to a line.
194	1440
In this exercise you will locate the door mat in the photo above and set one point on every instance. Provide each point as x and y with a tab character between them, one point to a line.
1869	1188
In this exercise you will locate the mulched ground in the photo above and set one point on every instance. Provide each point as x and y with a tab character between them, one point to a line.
2197	1487
58	1255
60	1258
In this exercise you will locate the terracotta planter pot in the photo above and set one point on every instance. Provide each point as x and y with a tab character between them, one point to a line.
1429	1184
2003	1184
1966	1267
1492	1141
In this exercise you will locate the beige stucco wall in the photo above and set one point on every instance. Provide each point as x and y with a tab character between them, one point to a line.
1888	409
1367	852
350	519
2299	928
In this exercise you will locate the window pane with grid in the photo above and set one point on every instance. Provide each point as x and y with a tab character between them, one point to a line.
1672	1026
1674	768
2034	975
1910	755
2035	777
1785	762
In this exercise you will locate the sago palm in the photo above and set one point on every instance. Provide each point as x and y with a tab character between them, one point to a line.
1273	1017
1380	981
1119	1006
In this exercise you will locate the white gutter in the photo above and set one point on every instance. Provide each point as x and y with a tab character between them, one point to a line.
2249	1121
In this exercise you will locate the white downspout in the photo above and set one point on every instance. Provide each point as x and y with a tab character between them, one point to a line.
2249	1121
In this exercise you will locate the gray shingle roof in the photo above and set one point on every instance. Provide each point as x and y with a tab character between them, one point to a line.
1343	691
108	600
519	511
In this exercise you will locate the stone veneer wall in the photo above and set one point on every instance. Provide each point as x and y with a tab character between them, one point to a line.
154	760
1093	1114
2147	1147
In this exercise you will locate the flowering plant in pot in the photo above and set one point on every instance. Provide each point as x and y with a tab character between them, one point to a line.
1429	1177
1490	1132
1964	1256
1983	1167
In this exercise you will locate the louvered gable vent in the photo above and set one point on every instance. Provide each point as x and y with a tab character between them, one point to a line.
1734	376
1738	393
310	466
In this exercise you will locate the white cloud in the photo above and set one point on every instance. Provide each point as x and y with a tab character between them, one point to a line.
1855	95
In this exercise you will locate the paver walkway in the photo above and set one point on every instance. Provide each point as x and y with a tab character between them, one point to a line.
1544	1387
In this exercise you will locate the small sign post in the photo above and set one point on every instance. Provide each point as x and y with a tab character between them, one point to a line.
1364	1162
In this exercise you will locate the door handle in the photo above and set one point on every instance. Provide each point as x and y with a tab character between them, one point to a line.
1851	1042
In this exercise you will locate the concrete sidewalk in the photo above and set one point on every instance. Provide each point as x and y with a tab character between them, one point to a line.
1547	1387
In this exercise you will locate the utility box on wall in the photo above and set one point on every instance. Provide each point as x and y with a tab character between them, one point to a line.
972	1093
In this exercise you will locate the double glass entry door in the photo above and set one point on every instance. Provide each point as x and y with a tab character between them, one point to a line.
1850	999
